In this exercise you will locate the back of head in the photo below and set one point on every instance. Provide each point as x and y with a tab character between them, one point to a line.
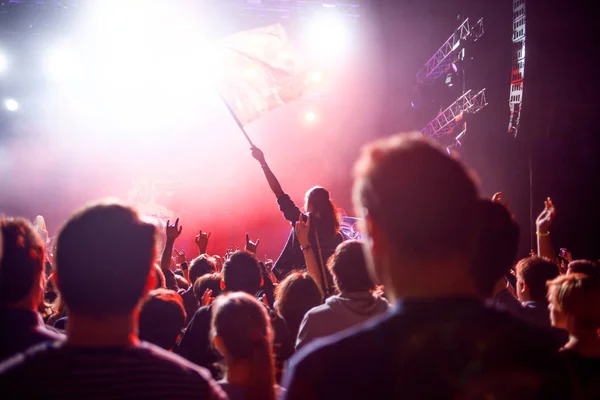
325	216
497	246
207	281
577	295
349	268
199	266
162	317
241	273
22	264
585	267
103	259
241	329
422	200
535	272
294	296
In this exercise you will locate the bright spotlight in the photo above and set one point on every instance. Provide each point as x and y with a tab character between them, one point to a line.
3	63
316	76
61	65
11	104
250	74
310	116
327	35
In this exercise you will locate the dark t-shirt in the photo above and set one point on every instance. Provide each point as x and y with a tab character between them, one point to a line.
586	372
21	329
431	349
196	346
57	371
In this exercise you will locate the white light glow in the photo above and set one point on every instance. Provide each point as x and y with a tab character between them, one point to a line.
11	104
62	65
316	77
327	36
310	116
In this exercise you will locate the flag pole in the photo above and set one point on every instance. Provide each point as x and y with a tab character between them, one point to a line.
237	121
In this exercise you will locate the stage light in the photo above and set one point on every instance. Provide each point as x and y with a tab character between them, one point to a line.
316	76
61	65
449	80
11	104
310	116
3	62
327	35
250	74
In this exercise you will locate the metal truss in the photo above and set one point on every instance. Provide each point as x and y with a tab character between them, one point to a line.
449	52
446	122
515	100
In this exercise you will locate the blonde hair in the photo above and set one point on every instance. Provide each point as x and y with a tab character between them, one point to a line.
577	295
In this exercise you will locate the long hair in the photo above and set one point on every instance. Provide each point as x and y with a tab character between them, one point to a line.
242	324
294	296
324	214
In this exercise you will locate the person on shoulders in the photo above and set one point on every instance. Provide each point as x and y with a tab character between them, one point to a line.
421	217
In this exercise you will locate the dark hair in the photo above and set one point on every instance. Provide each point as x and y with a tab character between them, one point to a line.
162	317
536	272
103	259
294	296
242	324
349	268
422	199
208	281
496	248
324	215
241	273
199	266
22	264
585	267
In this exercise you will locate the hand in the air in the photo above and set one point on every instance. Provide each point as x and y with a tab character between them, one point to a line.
173	231
250	245
544	220
258	155
302	228
201	241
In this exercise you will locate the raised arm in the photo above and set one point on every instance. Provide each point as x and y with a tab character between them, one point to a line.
542	224
271	178
302	228
173	232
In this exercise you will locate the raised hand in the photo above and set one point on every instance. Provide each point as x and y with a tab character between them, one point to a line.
173	231
258	155
250	245
497	198
544	220
201	241
207	298
302	228
179	256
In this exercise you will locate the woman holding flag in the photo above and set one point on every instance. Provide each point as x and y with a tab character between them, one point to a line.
321	218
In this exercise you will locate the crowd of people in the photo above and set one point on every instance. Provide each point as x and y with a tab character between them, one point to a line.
431	303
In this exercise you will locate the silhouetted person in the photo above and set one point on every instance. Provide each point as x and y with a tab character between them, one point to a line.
325	226
21	289
103	268
420	213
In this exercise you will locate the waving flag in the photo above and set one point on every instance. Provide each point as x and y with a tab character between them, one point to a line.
260	70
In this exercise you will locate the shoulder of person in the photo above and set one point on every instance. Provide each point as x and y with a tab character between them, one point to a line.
176	361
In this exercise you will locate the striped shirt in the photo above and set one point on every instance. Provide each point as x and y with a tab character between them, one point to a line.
55	370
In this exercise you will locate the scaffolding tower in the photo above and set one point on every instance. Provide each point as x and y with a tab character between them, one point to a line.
452	117
442	59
